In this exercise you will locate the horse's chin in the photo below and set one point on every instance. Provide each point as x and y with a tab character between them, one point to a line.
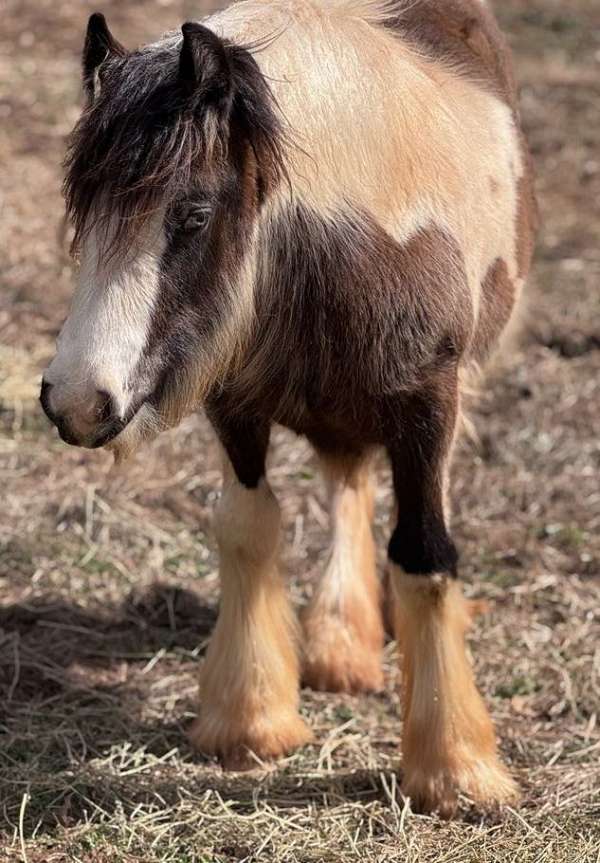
142	428
167	412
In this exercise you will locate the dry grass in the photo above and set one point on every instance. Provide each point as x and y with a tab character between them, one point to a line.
108	579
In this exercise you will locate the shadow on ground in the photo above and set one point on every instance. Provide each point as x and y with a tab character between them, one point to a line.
74	689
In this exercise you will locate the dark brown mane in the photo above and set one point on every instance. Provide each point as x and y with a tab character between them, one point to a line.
143	140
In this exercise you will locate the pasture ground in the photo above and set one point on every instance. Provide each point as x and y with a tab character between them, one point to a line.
108	578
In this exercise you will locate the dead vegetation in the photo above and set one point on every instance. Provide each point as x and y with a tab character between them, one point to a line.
108	578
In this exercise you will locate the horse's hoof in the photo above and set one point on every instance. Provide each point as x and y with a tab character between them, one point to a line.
484	781
241	745
342	655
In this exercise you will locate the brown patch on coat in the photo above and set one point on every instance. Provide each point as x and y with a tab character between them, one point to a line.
497	300
347	319
463	34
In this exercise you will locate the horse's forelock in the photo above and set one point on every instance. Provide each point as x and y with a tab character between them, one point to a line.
141	143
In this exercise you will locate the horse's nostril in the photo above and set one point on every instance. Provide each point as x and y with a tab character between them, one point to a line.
105	406
85	420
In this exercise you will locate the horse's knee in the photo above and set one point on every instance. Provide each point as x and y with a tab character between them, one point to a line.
423	549
246	524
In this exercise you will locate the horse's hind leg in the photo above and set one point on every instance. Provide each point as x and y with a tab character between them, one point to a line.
448	739
342	625
249	685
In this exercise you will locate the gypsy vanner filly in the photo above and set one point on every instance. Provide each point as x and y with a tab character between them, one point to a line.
316	213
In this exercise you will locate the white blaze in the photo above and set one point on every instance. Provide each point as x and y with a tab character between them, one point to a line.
104	336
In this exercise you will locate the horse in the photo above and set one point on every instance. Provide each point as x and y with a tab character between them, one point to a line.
318	214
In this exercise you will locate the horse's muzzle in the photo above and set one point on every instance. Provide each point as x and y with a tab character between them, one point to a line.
92	423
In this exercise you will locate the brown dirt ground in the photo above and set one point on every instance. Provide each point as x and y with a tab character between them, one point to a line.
108	578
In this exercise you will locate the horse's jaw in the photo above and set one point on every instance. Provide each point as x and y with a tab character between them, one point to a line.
143	427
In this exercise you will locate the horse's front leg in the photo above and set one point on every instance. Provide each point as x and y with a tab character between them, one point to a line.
249	685
449	743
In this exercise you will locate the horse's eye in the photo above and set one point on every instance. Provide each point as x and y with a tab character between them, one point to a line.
194	217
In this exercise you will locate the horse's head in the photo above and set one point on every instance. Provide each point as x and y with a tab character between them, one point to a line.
168	168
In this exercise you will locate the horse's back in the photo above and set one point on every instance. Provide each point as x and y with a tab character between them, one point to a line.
463	34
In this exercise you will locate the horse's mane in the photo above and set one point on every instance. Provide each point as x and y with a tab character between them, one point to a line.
141	143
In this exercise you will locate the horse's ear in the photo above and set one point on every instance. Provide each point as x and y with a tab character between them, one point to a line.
99	46
204	68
